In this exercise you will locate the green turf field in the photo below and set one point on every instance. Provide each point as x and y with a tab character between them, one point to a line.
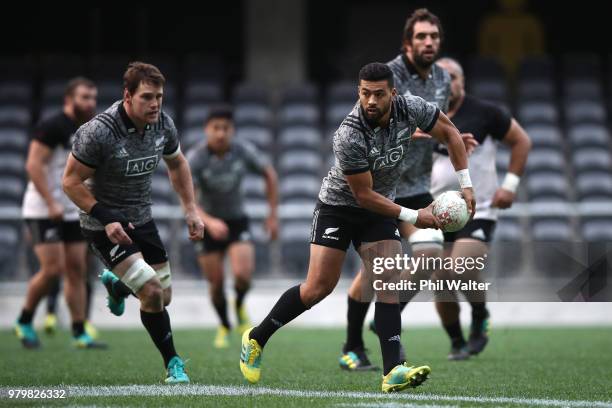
521	367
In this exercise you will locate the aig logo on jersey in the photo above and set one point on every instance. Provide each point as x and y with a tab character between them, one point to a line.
389	159
140	166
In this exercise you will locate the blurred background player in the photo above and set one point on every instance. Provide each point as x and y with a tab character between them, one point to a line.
50	323
489	124
218	166
108	176
355	205
53	219
414	73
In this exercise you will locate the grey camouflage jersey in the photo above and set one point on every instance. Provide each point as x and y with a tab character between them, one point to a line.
124	161
384	152
218	179
435	89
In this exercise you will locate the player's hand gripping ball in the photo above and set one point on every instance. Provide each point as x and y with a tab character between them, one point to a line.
451	210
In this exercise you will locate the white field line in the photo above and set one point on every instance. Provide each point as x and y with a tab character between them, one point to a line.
251	391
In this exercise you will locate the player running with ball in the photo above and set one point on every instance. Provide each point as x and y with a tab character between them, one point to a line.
356	205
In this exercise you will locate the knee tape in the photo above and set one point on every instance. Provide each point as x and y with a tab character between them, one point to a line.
164	275
138	274
428	238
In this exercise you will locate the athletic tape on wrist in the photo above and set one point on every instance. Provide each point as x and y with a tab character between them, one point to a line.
464	178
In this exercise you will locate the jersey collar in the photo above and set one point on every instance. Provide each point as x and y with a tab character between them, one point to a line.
129	125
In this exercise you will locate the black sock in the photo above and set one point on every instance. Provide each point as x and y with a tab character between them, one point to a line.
288	307
78	328
455	333
52	296
119	290
220	306
479	314
26	317
403	306
355	316
88	297
241	292
158	326
388	322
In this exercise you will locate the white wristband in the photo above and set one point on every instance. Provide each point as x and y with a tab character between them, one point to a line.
464	178
408	215
511	182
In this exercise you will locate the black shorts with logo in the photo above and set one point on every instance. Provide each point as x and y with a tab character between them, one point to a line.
479	229
338	226
145	239
238	231
46	231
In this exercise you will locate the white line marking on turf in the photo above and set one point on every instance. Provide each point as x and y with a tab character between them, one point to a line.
392	405
217	390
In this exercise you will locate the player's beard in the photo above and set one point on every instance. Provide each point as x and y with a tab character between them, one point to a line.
374	119
424	63
83	115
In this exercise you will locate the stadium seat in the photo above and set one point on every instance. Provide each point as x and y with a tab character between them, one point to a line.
9	242
15	92
109	67
195	114
260	136
480	68
549	184
336	112
591	159
597	230
545	136
300	94
191	137
15	116
589	135
490	89
553	247
342	92
546	159
537	112
594	186
536	67
300	137
12	189
583	89
300	161
532	90
202	92
505	256
299	113
299	187
251	94
12	164
254	186
14	140
295	246
585	112
62	67
252	114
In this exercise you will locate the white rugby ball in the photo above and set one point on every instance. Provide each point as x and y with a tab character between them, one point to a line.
451	210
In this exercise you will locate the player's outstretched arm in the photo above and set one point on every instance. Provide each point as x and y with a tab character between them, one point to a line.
517	139
180	177
361	186
445	132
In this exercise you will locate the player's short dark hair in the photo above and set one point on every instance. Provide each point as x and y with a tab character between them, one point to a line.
417	16
219	112
138	72
376	71
74	83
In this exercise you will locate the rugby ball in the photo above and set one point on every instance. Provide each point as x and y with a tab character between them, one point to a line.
451	210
